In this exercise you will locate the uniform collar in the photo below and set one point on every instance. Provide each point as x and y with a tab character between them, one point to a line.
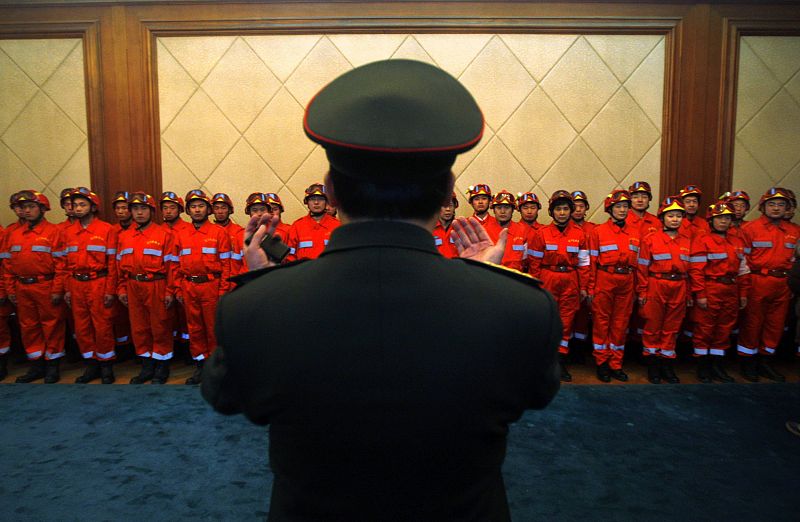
38	227
381	233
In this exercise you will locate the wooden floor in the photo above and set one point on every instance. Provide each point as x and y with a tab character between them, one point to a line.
181	368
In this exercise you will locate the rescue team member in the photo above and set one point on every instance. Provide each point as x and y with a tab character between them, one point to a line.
529	206
204	252
122	324
352	438
275	206
441	231
643	223
663	291
309	235
5	311
769	243
222	207
66	204
34	283
614	249
146	259
560	258
480	197
172	206
692	225
720	284
580	328
503	205
91	284
739	200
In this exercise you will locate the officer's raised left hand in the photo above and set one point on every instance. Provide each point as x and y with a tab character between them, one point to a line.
256	230
473	242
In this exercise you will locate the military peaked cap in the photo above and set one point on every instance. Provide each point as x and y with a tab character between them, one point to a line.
394	110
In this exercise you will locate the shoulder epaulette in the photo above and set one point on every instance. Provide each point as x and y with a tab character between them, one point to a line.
500	269
242	279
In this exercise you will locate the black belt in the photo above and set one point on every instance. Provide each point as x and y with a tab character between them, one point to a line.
559	268
88	276
29	280
669	276
725	280
773	273
203	278
144	278
616	269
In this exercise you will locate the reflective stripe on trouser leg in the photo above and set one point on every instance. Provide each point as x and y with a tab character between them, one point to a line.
767	305
200	303
41	323
93	321
139	313
159	321
714	325
5	330
564	287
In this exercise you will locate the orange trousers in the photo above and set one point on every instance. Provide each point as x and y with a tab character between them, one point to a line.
150	319
180	329
93	321
200	303
611	312
565	290
121	323
762	326
714	325
582	321
663	313
6	311
42	323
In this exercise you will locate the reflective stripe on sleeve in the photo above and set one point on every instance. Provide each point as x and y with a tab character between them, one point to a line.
225	255
185	252
305	244
645	262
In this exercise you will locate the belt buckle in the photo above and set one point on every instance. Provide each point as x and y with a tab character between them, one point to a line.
142	277
82	277
562	268
27	280
621	269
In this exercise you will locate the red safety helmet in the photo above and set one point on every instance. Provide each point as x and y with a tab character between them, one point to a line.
120	197
35	196
141	198
65	194
560	196
481	189
720	208
616	196
789	192
256	198
12	200
171	197
640	186
690	190
737	194
274	199
579	195
527	197
221	197
671	203
83	192
503	197
315	189
775	193
198	194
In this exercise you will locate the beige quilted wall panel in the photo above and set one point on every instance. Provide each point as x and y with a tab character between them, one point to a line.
766	151
43	137
562	111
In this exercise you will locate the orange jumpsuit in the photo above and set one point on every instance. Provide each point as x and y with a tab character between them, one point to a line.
180	330
5	309
33	272
614	251
236	236
769	249
146	260
645	225
515	255
580	328
719	274
491	225
561	261
121	322
662	278
444	242
91	274
308	238
694	227
204	268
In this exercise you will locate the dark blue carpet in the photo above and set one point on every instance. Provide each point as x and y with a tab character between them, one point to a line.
688	452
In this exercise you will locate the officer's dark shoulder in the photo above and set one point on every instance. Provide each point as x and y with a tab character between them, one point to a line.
504	271
248	277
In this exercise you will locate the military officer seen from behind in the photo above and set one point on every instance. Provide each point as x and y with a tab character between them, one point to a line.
388	418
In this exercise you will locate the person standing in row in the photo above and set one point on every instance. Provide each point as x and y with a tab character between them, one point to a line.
480	197
614	248
222	207
720	284
34	283
5	311
580	328
309	235
560	258
146	260
663	291
91	283
172	206
503	205
441	231
204	252
122	323
529	206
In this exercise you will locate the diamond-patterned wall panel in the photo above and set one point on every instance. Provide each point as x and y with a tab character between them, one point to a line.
767	115
547	101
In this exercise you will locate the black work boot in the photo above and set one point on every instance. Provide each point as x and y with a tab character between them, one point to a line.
765	370
35	372
3	366
749	368
603	373
91	372
162	372
718	372
197	376
51	372
107	373
146	373
653	369
704	369
562	364
668	372
619	375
